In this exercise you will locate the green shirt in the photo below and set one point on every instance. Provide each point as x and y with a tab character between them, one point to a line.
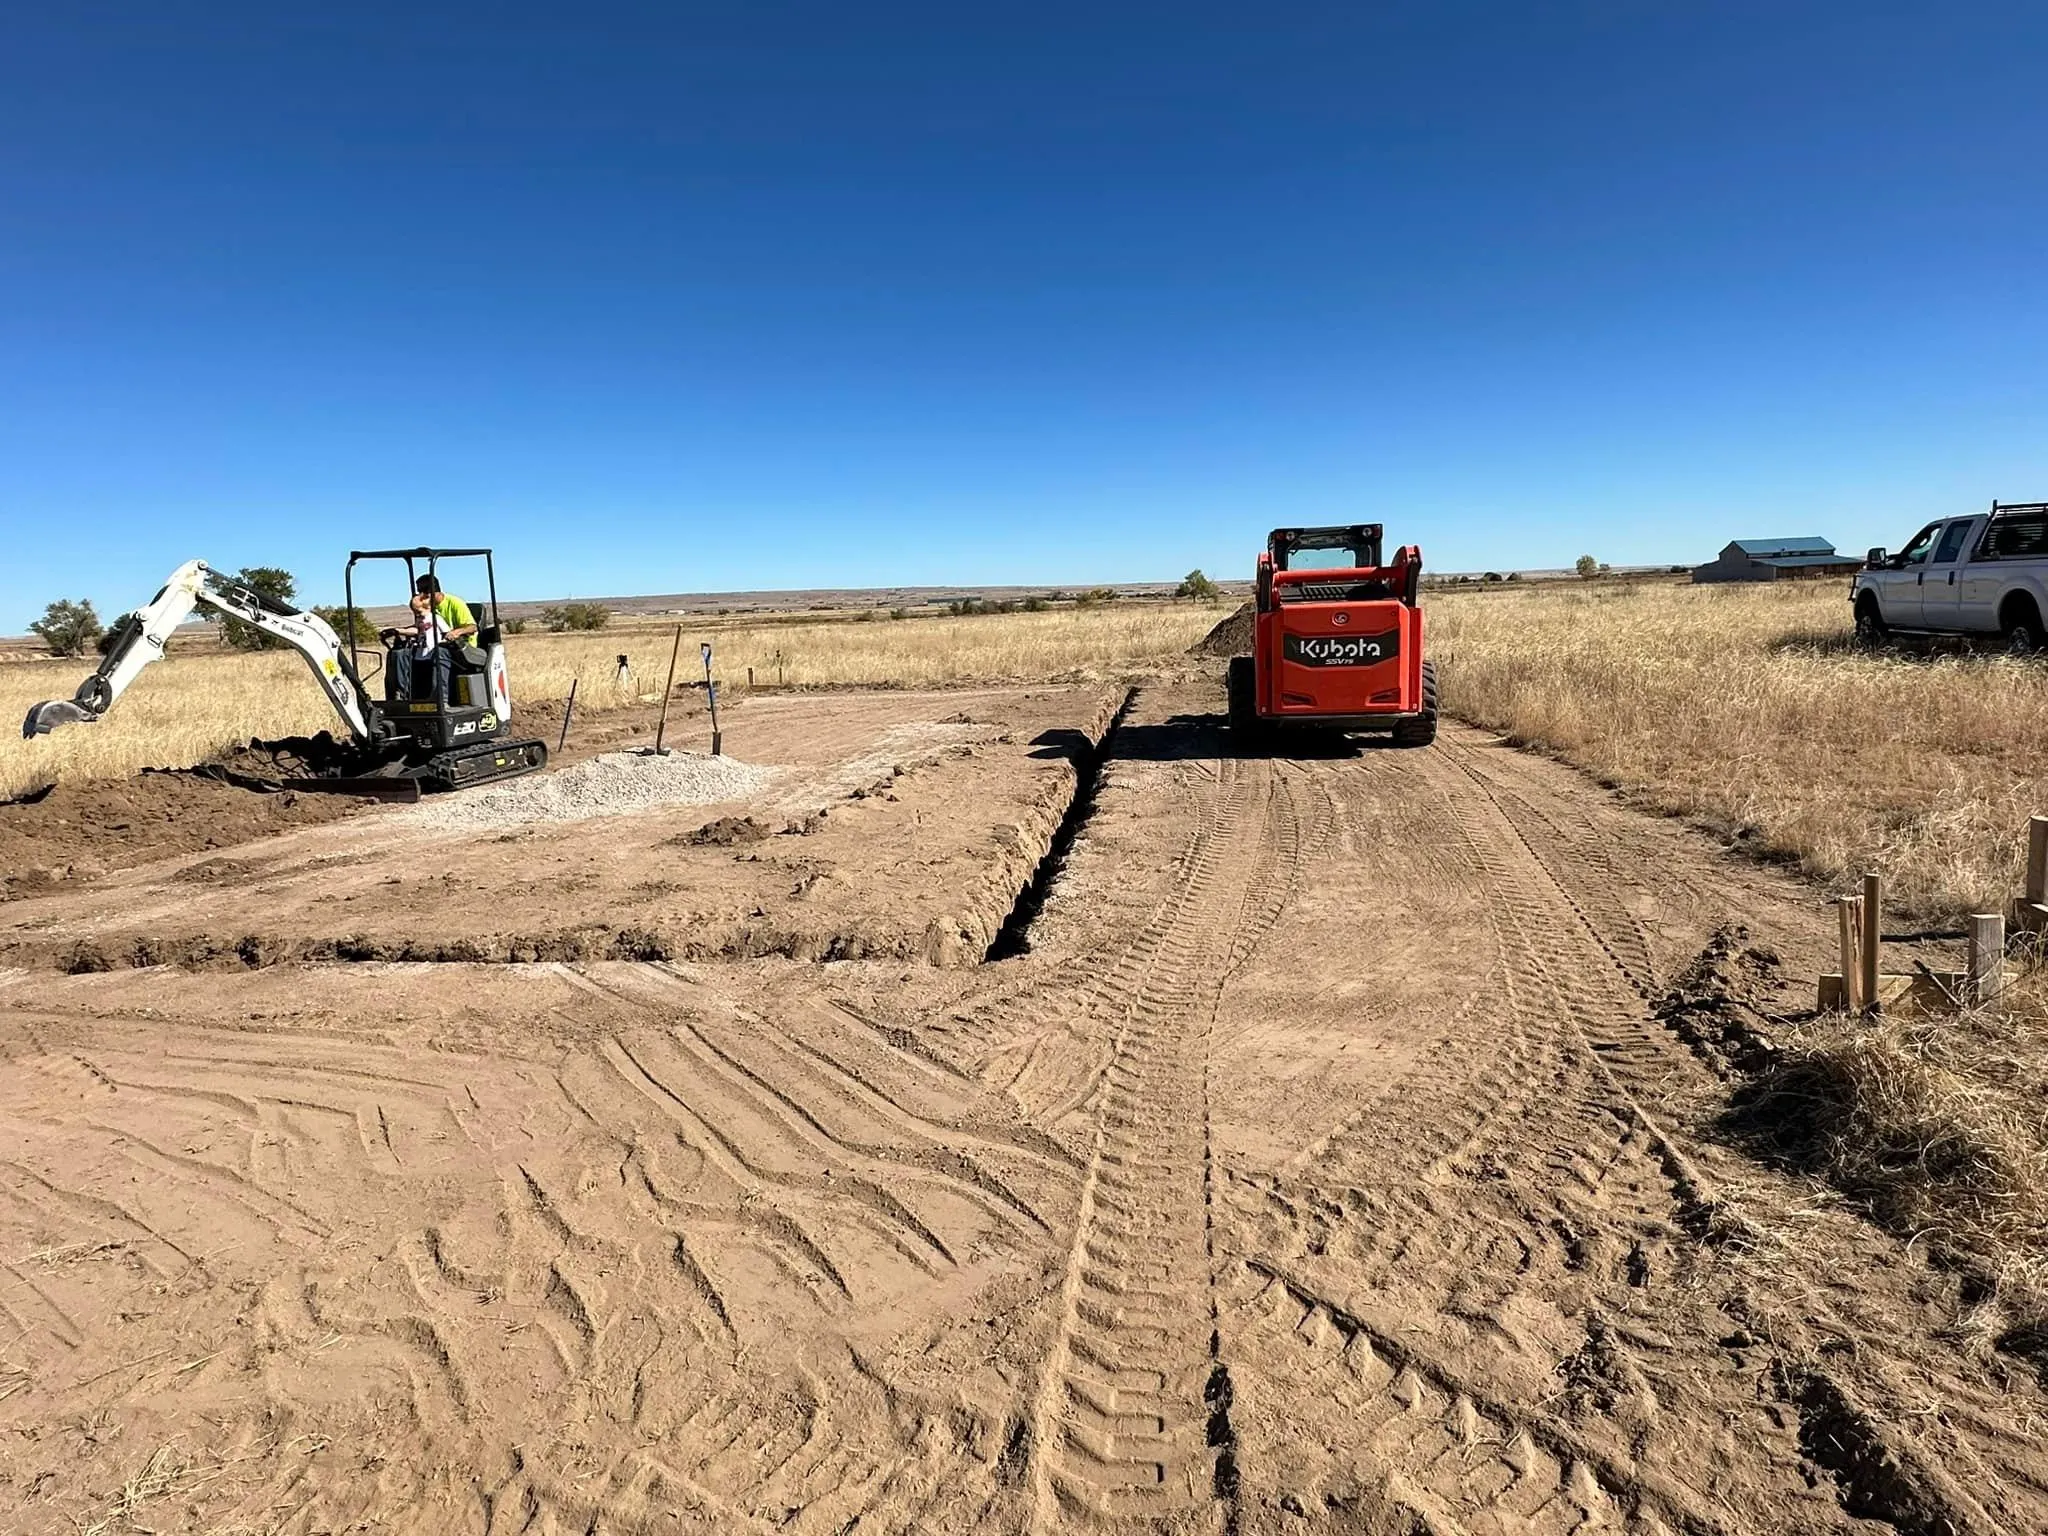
454	613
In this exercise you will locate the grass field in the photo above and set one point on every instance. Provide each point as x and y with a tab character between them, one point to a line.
1751	708
186	708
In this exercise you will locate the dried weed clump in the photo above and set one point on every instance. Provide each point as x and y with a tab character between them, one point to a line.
1938	1128
187	708
1751	709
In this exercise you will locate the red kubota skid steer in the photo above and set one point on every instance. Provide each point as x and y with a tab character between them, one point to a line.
1336	646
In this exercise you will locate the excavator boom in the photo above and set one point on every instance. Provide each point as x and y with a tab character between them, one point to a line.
141	638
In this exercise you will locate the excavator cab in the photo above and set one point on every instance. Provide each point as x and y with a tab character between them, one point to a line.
476	704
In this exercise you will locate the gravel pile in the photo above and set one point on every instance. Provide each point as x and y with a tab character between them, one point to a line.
615	784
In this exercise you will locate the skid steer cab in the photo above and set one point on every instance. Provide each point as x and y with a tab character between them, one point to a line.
1337	640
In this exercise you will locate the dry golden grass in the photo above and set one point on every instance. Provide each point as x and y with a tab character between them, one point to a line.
189	707
1935	1127
1749	707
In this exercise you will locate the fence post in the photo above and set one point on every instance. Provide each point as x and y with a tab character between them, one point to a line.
1987	956
1848	909
1873	927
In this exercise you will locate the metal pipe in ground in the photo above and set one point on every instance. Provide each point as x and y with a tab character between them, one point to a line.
568	714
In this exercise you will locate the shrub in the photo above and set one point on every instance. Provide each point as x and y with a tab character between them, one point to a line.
337	616
1096	595
68	628
514	626
576	616
899	613
1035	604
110	634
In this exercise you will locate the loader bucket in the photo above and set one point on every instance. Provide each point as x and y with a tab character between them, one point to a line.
46	717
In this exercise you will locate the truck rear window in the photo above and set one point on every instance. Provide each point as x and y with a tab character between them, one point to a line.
2017	538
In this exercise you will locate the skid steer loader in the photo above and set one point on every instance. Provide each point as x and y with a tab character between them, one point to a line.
397	746
1336	647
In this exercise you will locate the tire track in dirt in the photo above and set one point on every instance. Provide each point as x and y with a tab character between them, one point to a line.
1520	1187
1132	1413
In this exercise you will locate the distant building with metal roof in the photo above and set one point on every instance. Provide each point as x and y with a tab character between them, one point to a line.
1775	560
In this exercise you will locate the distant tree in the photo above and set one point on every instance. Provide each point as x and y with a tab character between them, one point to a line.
576	616
68	628
337	617
268	581
1198	587
1491	576
1035	604
110	634
1514	575
1587	567
1096	595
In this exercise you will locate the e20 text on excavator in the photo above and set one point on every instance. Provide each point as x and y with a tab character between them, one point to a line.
1336	646
449	730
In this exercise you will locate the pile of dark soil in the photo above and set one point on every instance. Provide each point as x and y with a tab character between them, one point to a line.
1232	637
68	834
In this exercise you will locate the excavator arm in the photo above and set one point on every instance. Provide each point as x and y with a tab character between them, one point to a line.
141	638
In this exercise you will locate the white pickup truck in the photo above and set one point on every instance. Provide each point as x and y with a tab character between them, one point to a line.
1986	574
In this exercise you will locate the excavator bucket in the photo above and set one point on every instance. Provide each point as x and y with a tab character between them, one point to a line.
46	717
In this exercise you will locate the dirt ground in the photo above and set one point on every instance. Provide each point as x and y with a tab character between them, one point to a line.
1334	1146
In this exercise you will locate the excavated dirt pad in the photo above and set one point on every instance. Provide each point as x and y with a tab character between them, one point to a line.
74	833
905	825
1338	1159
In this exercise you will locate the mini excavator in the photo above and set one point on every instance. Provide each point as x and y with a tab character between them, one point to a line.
436	738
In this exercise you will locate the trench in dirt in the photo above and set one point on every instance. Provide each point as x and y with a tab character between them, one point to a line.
1014	937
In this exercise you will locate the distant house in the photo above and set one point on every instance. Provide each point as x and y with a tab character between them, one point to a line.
1775	560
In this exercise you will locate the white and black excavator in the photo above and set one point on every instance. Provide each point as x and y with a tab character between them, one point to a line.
448	730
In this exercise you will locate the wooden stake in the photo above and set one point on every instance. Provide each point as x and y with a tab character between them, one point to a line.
1873	917
2037	859
668	688
1987	957
1848	910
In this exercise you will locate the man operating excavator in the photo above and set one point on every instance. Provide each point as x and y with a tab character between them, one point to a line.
439	620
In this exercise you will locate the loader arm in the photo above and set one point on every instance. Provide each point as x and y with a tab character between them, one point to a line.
141	638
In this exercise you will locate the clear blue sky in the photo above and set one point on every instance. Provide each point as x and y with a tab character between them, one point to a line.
687	296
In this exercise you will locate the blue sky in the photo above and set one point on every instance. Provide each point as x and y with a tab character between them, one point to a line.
688	296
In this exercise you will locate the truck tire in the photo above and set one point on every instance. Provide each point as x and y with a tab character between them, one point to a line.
1871	629
1421	731
1239	685
2020	624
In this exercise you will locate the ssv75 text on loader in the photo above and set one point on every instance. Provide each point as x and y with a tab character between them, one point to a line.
397	746
1337	647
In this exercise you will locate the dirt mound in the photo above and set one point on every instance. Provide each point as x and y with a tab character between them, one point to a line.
725	832
71	833
1232	637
